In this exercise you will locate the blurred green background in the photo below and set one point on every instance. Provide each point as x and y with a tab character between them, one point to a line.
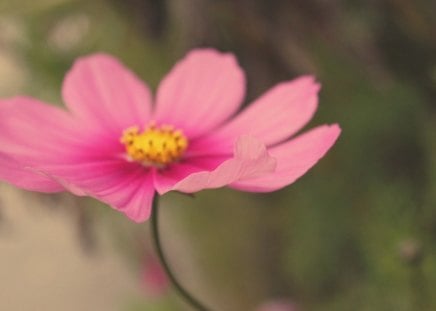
358	232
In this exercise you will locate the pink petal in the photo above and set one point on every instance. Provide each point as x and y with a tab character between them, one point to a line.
32	133
201	91
127	187
139	206
210	145
100	90
43	148
294	159
164	180
250	160
277	114
16	174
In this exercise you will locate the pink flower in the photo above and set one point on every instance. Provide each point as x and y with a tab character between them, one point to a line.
153	277
114	145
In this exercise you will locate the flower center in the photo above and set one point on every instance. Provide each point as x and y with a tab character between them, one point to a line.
155	145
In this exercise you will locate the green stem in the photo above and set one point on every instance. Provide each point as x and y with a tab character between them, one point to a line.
157	244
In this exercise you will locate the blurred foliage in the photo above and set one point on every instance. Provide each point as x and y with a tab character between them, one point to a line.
358	232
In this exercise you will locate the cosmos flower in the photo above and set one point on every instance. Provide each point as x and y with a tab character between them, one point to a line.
154	281
117	144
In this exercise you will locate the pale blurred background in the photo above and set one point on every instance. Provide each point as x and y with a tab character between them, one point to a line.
358	232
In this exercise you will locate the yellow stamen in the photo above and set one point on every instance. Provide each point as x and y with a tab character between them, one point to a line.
154	146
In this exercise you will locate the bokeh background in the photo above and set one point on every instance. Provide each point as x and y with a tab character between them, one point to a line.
358	232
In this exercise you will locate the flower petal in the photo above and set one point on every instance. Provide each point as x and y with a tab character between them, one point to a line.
294	159
32	133
210	145
277	114
68	156
164	180
23	178
100	90
251	159
201	91
140	193
127	187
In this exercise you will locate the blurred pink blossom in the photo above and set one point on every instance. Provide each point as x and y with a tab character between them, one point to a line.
119	145
153	278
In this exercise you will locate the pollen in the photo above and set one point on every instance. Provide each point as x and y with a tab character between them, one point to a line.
156	146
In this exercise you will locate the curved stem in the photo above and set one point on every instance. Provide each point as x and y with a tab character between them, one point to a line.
157	244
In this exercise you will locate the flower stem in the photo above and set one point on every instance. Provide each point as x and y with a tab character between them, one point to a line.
157	244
